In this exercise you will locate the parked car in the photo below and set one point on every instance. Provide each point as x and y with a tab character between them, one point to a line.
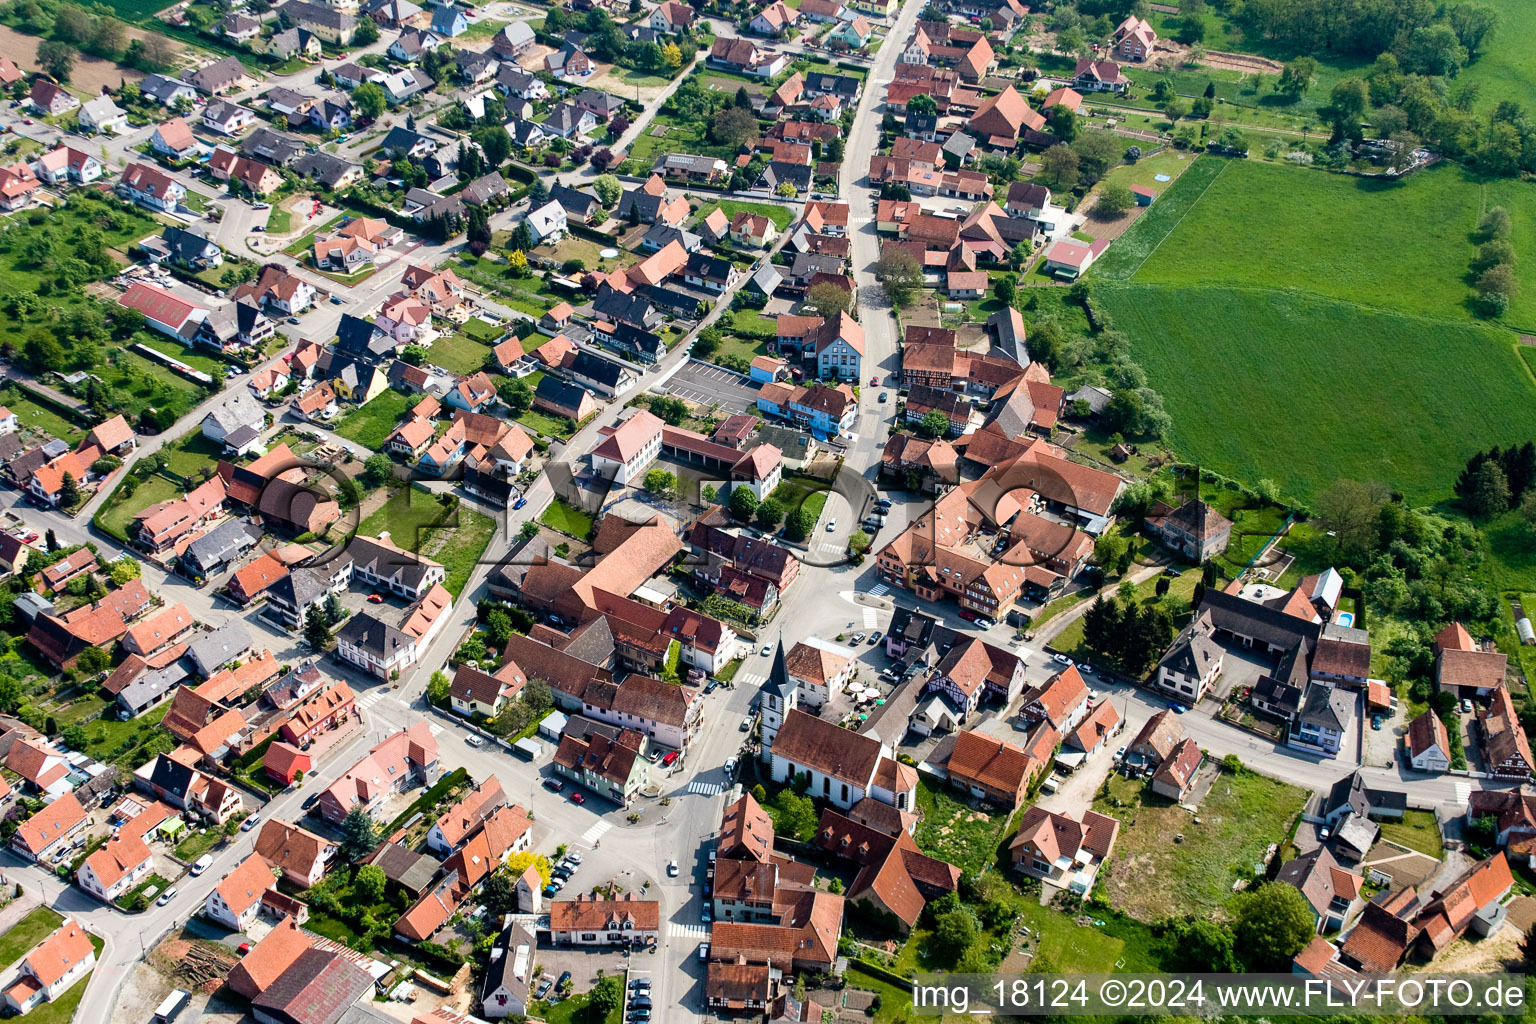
746	724
671	869
1376	722
519	503
293	319
545	984
703	952
831	525
985	623
730	767
858	638
337	300
258	229
203	864
1061	659
669	759
884	395
641	985
554	784
474	740
166	896
573	857
577	798
375	598
311	800
250	823
1466	705
767	650
967	615
874	637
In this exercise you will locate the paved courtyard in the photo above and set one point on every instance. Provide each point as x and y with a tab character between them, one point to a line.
706	385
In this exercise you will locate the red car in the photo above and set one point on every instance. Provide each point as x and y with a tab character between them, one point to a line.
967	615
375	598
245	947
577	798
874	381
670	759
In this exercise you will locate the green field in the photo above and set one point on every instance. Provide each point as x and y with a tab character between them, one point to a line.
117	514
567	519
26	933
1304	389
1418	831
36	416
1507	69
1152	877
465	543
137	10
459	353
781	216
410	516
371	423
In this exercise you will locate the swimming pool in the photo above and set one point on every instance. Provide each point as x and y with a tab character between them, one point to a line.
1345	619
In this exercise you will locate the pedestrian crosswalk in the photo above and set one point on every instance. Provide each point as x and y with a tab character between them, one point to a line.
871	618
879	590
1463	792
596	832
678	930
750	679
435	728
702	788
371	699
826	547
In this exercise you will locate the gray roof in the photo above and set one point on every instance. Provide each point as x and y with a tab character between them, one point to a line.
101	108
217	75
162	88
151	686
372	635
223	543
767	279
323	167
502	971
1246	618
212	650
1327	708
238	408
959	144
404	867
298	12
391	563
1096	397
186	244
272	146
661	233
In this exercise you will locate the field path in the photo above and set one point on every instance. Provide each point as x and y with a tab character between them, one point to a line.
1175	227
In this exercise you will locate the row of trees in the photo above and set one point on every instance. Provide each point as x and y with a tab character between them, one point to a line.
1494	264
1495	481
1125	635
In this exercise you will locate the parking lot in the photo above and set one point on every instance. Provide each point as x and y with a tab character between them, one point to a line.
706	385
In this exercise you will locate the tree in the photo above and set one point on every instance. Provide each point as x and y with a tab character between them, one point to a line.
933	424
661	483
1058	167
369	99
1528	511
1495	223
1296	78
57	58
732	127
1474	24
516	395
366	33
1350	510
370	880
495	143
1062	121
124	570
1201	107
93	660
800	523
922	104
743	503
1492	253
359	833
608	190
156	52
1174	109
1114	199
1346	107
69	491
954	932
858	542
900	274
1273	923
1191	30
1500	279
316	633
439	688
1434	50
1490	492
770	513
827	300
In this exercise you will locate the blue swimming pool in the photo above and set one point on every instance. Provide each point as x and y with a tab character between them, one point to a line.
1345	619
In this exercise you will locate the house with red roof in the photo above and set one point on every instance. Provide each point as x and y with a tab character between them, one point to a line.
236	900
1062	850
52	967
165	312
115	868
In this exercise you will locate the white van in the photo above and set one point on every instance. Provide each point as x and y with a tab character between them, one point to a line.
1051	784
703	952
203	864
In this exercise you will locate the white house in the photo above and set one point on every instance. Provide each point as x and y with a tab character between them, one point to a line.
548	223
238	409
624	454
102	115
236	900
1429	745
115	868
1192	664
53	966
819	670
843	766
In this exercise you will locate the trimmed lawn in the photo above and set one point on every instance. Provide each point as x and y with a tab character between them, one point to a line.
466	541
782	216
641	80
543	423
1144	172
410	516
1180	590
34	416
953	832
1152	877
116	516
1418	831
198	843
459	353
566	518
574	1010
1363	375
280	222
28	932
479	330
371	423
194	358
191	454
484	28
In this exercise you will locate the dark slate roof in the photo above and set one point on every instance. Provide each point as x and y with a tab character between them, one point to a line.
622	307
403	139
594	367
272	146
186	244
661	233
372	635
360	339
317	988
323	167
575	201
780	171
223	543
562	393
630	336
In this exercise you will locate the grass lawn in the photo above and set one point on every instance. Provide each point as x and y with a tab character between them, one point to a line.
781	216
116	516
409	516
574	1010
32	415
543	423
639	79
484	28
459	353
62	1009
1180	590
198	360
191	454
146	383
953	832
118	742
1152	877
1171	162
197	843
479	330
1363	375
1418	831
374	421
28	932
566	518
280	222
466	540
1507	70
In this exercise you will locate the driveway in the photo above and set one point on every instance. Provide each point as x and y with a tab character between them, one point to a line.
708	385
